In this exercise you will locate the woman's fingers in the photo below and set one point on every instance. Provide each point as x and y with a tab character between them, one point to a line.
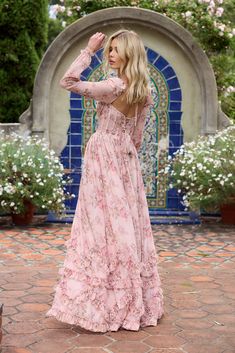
96	41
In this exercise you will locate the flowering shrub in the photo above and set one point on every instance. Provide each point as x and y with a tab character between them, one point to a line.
29	170
209	21
204	170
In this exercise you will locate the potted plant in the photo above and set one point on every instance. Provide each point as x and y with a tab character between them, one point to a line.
31	177
204	172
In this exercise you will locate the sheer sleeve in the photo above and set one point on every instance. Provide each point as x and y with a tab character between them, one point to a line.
105	91
137	135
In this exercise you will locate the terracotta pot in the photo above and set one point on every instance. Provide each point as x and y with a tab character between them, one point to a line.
23	219
228	213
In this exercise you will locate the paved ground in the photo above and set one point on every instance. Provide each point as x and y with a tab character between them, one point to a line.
196	265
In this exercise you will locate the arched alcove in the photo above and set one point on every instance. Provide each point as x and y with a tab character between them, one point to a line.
173	42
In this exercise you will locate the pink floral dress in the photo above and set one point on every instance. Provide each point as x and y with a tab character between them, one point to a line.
109	278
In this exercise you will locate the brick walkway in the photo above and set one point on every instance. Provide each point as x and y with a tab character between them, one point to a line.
196	265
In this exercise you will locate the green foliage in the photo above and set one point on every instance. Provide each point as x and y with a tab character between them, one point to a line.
204	171
30	171
211	29
54	29
23	38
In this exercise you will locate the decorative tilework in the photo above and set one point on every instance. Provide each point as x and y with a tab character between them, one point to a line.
163	134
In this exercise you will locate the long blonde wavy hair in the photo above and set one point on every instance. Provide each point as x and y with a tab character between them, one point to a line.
132	52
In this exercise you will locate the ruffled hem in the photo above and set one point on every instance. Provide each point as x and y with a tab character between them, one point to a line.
94	269
97	327
103	293
110	309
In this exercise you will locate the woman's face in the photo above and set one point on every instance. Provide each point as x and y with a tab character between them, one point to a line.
115	61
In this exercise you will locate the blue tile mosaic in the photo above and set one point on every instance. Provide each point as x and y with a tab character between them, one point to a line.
152	55
75	103
74	188
175	116
95	62
175	140
161	63
76	114
75	162
172	150
172	193
87	72
76	139
65	162
175	128
173	202
168	72
74	95
76	152
65	152
176	95
76	177
76	127
74	201
173	83
175	106
99	54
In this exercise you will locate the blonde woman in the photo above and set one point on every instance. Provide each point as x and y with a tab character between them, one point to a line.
110	279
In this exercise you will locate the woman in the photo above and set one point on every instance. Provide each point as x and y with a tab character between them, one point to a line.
110	279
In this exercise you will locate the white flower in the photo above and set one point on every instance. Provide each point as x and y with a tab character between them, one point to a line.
219	12
230	89
188	14
69	12
221	27
211	10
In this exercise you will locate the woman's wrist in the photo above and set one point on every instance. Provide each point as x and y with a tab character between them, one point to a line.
90	51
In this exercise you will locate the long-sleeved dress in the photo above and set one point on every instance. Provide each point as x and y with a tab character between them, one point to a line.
109	279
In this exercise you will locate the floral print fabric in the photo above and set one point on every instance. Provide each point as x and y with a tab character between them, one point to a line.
109	278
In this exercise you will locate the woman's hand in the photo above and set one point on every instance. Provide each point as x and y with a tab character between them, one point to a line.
96	41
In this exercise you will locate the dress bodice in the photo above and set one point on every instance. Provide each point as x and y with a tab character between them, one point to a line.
105	92
111	120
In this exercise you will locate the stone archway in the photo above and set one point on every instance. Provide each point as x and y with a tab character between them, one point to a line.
192	94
